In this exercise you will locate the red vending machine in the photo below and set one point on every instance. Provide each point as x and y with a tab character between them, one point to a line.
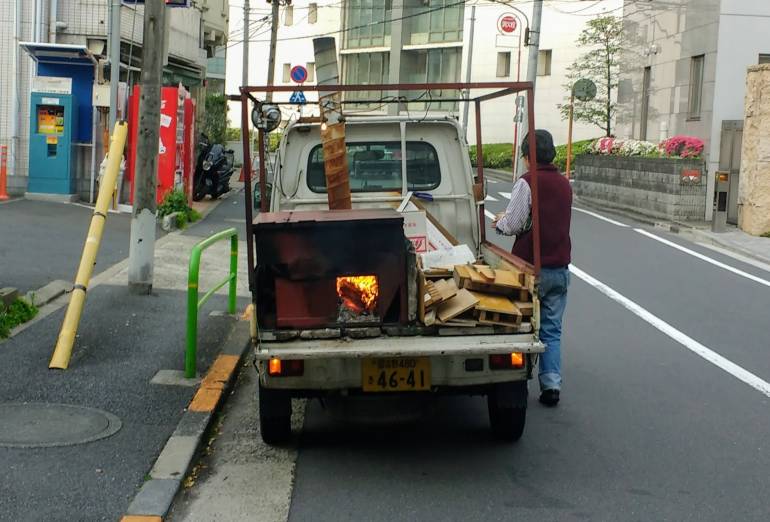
173	166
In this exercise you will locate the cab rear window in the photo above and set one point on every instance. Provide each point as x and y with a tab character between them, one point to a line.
376	167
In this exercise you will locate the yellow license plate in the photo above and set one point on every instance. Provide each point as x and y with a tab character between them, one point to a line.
396	374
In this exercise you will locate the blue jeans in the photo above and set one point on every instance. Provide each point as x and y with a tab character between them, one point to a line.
553	300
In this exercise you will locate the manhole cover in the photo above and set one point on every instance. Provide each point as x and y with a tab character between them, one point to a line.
43	425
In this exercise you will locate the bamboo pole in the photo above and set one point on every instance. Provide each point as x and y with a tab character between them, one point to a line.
63	351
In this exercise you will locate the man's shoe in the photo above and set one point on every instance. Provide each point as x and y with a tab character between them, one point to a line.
549	397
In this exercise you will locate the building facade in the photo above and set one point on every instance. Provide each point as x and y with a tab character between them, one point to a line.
408	41
194	33
684	73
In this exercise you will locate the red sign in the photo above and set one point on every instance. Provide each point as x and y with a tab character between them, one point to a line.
507	24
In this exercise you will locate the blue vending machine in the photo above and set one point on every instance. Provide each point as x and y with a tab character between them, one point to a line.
52	127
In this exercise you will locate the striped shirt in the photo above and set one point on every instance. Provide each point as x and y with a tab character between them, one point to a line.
517	216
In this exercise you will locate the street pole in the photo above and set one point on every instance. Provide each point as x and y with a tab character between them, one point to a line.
246	29
534	50
143	220
114	60
274	22
569	130
468	72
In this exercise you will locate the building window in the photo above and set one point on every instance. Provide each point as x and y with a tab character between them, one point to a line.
368	23
365	68
503	65
440	21
288	15
312	13
544	62
764	58
696	86
310	66
286	73
432	66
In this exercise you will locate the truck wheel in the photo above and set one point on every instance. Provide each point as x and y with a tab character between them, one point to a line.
274	415
507	405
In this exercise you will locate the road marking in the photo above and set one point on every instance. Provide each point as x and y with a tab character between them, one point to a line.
743	259
491	180
678	336
489	214
490	198
506	195
599	216
704	258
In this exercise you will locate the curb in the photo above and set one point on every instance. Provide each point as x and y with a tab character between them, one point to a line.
154	499
682	229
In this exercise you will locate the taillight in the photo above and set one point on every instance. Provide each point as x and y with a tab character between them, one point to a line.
507	361
289	368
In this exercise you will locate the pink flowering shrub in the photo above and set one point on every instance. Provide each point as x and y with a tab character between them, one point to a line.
683	147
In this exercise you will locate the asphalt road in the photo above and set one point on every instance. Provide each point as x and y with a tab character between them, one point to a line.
664	412
41	241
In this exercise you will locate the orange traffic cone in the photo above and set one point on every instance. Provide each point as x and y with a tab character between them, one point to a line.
3	172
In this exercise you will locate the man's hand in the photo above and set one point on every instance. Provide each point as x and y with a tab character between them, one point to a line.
497	218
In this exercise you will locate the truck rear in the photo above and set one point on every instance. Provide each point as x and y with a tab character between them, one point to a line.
343	298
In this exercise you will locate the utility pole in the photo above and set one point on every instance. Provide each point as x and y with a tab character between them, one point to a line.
274	22
143	221
534	51
468	71
114	60
246	34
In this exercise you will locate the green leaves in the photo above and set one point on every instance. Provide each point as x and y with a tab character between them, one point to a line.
600	63
18	313
215	118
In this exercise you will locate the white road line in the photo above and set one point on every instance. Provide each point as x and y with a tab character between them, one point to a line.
743	259
489	214
599	216
688	342
704	258
491	180
490	198
506	195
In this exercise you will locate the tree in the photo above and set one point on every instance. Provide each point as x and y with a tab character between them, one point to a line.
215	118
601	64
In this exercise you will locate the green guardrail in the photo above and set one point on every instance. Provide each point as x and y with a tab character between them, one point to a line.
194	304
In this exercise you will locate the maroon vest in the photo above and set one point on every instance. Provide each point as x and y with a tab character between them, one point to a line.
555	199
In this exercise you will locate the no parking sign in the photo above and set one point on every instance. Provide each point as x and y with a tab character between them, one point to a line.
298	74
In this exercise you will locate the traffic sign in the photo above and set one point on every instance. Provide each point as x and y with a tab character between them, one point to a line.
298	97
298	74
584	90
507	24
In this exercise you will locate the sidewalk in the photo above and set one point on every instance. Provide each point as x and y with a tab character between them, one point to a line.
123	342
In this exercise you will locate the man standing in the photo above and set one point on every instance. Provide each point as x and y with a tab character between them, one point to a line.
555	209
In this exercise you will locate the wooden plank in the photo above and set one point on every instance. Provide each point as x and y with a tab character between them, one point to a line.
461	276
432	296
487	272
527	308
457	305
495	303
446	288
475	276
509	278
495	318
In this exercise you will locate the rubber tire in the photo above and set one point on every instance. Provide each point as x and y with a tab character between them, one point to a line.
507	422
274	416
199	189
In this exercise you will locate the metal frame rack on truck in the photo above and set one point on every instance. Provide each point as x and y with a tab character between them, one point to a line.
397	320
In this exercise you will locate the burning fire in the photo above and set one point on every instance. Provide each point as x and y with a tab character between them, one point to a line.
359	293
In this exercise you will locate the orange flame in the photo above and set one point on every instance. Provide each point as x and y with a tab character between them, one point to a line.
359	293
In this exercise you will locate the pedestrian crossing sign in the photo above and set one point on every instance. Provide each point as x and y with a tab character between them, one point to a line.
298	97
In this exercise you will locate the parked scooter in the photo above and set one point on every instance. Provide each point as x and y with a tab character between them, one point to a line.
213	170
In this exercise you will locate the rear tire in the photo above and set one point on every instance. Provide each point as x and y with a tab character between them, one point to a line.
274	415
507	406
199	188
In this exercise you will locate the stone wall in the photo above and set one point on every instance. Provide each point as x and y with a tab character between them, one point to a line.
661	188
754	187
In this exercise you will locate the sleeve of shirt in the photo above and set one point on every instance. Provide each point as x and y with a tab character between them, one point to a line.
516	216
